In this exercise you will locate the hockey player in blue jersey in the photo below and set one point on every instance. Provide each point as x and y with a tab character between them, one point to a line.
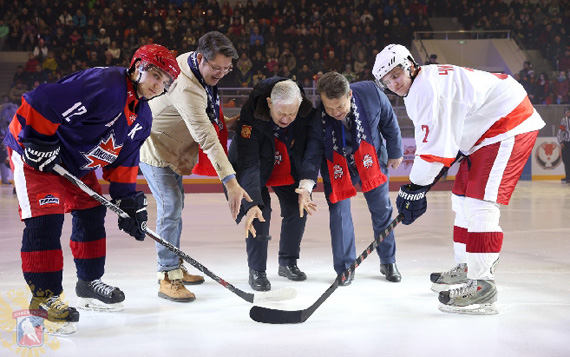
96	118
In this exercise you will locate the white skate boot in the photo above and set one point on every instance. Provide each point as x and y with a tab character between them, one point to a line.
449	279
476	297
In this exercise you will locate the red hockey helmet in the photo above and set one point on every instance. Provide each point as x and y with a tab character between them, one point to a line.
158	56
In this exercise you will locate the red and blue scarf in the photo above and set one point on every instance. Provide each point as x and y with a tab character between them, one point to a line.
216	116
364	153
281	173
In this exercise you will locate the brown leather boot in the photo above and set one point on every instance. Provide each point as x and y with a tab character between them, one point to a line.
173	289
189	279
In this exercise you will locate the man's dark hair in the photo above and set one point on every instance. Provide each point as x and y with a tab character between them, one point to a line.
333	85
213	43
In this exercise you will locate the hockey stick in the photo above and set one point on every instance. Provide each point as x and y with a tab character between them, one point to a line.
274	316
275	295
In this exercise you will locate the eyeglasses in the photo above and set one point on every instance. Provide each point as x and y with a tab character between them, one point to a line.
217	69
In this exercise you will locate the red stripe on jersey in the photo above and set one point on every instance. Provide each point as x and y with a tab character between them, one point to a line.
15	127
121	174
432	158
484	242
89	250
459	234
42	261
521	113
37	121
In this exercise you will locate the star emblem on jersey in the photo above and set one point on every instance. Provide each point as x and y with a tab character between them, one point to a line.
103	154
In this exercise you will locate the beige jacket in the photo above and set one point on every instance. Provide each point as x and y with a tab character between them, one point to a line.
180	126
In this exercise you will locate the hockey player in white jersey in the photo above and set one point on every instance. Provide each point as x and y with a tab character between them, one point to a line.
488	118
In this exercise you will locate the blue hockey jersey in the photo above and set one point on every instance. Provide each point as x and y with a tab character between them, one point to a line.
98	120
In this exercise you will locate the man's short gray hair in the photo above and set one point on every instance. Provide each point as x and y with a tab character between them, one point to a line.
333	85
213	43
286	92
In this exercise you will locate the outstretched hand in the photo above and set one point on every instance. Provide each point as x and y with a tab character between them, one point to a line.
253	213
235	194
305	202
231	123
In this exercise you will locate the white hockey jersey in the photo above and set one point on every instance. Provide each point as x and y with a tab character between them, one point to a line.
461	109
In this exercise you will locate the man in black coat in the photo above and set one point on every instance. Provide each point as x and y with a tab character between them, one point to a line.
276	145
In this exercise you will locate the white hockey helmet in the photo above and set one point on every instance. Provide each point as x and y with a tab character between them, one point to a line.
390	57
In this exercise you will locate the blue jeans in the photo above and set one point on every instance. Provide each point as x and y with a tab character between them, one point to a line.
166	187
342	228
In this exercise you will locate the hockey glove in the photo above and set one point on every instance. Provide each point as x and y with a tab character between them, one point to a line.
41	155
135	207
411	202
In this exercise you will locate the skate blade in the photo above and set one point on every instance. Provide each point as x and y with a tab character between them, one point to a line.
96	305
476	309
59	328
437	288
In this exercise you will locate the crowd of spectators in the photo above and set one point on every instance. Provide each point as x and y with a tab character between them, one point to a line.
298	39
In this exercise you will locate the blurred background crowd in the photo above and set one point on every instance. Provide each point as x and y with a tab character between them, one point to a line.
299	39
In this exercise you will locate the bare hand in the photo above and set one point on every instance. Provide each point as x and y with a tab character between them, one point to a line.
253	213
232	123
235	194
305	202
394	163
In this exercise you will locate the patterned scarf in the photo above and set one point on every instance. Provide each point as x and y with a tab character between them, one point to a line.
364	153
216	116
281	173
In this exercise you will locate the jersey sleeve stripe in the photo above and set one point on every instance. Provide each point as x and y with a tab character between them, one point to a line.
121	174
36	120
432	158
522	112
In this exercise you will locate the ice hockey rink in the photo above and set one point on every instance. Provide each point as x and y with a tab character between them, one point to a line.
371	317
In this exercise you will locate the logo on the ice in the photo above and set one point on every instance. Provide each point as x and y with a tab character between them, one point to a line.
548	155
22	330
103	154
30	327
337	171
367	161
48	199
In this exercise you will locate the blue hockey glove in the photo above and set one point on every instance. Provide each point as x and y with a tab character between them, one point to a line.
411	202
135	207
41	155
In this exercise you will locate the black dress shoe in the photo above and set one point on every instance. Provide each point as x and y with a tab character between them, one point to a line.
258	280
347	281
391	272
292	272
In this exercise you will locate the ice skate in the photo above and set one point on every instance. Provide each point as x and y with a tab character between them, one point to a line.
449	279
98	296
476	297
58	318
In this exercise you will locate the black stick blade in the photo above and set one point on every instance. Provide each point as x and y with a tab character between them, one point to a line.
272	316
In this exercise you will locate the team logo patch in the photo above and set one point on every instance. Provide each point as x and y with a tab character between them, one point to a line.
246	131
409	155
103	154
47	200
278	158
337	171
367	161
548	155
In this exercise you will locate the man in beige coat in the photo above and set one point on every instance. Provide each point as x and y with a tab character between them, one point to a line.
189	135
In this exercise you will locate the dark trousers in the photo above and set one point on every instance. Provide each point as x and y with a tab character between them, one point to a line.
292	229
566	159
342	227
